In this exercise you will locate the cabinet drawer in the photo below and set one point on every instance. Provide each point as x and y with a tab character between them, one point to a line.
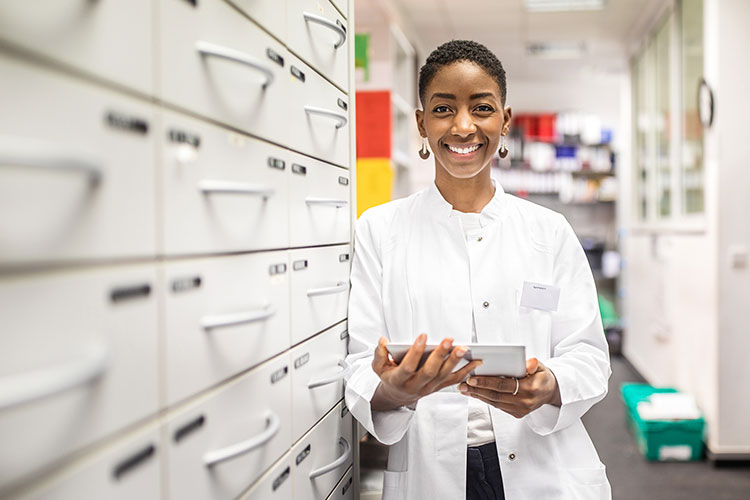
318	115
222	316
320	289
111	39
267	14
223	191
323	455
276	484
320	212
219	446
317	33
219	64
345	489
125	470
318	371
77	161
78	361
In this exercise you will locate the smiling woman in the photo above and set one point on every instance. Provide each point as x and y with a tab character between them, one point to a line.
463	263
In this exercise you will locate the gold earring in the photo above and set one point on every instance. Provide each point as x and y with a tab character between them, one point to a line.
503	152
424	153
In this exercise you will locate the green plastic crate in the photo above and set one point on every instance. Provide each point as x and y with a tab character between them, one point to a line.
660	440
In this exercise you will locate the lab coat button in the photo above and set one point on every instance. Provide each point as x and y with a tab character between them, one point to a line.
512	456
486	304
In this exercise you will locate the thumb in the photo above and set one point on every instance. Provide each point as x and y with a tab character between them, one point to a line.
532	366
380	359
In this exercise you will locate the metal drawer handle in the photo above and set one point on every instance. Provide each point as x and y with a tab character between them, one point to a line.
329	290
214	50
29	386
331	379
239	318
326	201
312	18
210	186
24	152
273	424
339	117
345	457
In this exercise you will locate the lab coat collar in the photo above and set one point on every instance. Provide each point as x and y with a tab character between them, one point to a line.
492	212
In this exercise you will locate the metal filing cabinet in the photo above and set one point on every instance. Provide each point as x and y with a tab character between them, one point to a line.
176	207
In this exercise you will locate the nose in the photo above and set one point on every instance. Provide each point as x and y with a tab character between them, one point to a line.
463	124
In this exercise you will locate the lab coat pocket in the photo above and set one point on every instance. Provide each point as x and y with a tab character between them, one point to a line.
588	483
394	485
534	330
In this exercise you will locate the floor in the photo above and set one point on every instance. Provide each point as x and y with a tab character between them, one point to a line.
632	477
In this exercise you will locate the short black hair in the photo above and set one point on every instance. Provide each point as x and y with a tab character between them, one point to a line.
461	50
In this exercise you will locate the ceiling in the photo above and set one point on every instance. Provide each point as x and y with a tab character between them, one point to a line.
506	28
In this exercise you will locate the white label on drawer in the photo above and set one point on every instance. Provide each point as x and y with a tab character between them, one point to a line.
279	374
680	452
302	360
279	480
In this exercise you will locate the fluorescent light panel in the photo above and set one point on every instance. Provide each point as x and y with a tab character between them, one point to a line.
556	50
562	5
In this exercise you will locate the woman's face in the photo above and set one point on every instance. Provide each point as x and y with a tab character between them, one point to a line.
463	119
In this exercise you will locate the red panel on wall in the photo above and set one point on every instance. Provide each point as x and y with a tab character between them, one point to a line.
374	124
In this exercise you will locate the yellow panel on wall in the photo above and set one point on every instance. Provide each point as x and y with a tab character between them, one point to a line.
374	182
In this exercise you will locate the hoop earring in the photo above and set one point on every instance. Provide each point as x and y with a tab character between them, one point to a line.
503	152
424	153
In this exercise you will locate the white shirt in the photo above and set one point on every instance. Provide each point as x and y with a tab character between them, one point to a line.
413	271
479	426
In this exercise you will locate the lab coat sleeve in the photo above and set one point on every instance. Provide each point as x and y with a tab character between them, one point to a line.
580	356
366	326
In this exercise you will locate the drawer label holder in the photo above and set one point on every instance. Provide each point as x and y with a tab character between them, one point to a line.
347	486
299	169
185	284
280	480
302	360
190	427
297	73
182	137
279	374
303	455
133	461
130	292
127	123
272	55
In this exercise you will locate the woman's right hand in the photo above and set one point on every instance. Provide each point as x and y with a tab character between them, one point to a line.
404	383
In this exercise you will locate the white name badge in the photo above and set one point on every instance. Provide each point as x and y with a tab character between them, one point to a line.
538	296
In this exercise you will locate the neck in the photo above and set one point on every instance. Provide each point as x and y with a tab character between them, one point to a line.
466	195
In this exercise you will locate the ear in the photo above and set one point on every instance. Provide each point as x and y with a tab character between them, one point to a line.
419	115
507	115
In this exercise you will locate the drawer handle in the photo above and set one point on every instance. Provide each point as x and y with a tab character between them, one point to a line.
23	152
38	384
273	424
312	18
328	290
210	186
339	117
345	457
239	318
214	50
330	379
326	201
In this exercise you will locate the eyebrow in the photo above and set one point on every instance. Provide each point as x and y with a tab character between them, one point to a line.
472	97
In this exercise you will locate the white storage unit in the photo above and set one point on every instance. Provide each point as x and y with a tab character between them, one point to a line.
176	206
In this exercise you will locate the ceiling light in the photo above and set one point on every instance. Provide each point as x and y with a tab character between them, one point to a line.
562	5
556	50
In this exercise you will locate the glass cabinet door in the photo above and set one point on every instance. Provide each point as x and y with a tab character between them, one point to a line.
692	176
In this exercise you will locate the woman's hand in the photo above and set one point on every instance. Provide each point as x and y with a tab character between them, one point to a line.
403	384
537	388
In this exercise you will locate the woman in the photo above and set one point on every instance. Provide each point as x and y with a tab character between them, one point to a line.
454	264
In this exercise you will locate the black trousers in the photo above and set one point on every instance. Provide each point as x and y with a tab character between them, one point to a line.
483	478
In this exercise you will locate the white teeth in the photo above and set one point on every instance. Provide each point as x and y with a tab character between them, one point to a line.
464	151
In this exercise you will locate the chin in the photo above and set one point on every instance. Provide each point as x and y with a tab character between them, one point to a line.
461	172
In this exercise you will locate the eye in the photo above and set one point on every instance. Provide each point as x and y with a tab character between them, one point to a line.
441	109
484	108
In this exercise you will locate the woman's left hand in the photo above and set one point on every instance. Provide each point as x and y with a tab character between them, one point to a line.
537	388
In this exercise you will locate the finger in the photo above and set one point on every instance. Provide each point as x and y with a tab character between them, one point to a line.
497	384
532	365
434	362
380	360
456	355
408	366
460	375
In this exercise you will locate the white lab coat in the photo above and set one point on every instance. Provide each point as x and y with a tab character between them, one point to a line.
414	271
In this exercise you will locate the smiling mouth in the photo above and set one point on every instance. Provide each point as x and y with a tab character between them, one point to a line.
463	151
